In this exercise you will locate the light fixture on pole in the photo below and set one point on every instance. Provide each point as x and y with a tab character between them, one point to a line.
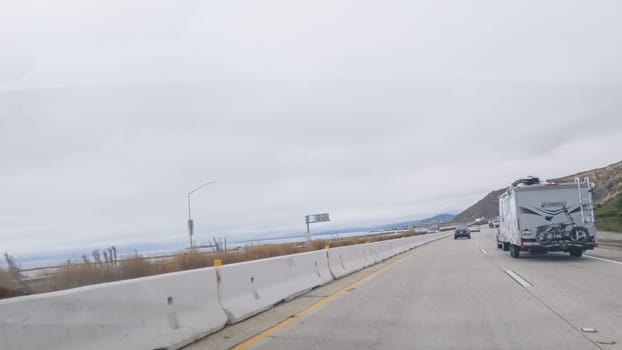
190	222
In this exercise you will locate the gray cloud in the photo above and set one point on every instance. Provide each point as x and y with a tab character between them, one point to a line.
371	111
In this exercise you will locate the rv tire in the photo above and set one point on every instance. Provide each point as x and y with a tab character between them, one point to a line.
515	251
506	246
576	252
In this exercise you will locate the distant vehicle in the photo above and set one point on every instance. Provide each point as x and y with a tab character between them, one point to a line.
433	229
493	223
542	217
462	231
474	228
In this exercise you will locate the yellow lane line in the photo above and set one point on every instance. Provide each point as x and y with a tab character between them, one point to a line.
250	341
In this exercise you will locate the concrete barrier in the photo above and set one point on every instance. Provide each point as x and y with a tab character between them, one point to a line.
248	288
310	270
345	260
373	250
408	244
172	310
383	249
415	241
401	245
157	312
368	254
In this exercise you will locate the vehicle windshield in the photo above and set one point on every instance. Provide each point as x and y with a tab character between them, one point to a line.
280	174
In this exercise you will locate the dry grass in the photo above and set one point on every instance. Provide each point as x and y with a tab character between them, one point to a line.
76	275
192	260
137	266
318	244
73	275
229	257
341	242
8	286
269	250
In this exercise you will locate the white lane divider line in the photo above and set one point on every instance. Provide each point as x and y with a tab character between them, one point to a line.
603	259
516	277
483	250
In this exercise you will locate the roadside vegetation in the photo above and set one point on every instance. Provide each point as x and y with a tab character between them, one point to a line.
8	286
93	269
609	215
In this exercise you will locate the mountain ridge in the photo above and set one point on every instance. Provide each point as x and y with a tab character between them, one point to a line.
607	192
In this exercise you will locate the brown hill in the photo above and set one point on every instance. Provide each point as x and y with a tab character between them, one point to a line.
607	190
607	195
487	207
607	181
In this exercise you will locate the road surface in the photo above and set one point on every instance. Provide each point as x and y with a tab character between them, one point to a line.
464	294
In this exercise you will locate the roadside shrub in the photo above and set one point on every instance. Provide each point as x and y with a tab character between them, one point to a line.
8	286
73	275
269	250
193	259
318	244
135	266
229	257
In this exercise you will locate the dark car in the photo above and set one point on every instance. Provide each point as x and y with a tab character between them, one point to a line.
462	231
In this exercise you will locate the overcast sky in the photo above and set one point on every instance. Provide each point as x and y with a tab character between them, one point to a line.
373	111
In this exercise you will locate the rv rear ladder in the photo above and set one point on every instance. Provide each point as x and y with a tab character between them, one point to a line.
588	185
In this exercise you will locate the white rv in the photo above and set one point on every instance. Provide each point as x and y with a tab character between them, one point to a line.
539	217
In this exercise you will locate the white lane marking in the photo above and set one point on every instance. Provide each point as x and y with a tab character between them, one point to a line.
483	250
603	259
518	278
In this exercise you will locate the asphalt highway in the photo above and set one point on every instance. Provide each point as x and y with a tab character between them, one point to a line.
450	294
467	294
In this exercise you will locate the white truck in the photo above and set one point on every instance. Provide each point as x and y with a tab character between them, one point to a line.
539	217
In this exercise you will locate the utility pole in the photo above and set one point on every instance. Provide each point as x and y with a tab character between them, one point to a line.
190	222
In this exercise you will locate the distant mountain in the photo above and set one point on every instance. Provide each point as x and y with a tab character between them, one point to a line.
607	198
487	207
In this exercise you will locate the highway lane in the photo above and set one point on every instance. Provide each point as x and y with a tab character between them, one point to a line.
586	292
457	295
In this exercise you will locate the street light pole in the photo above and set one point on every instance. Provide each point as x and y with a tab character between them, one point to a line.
190	222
